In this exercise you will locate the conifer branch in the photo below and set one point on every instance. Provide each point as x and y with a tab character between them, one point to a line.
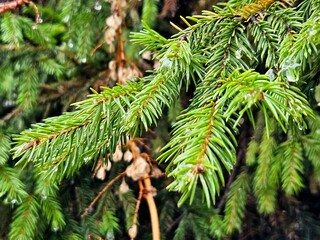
252	9
58	147
240	159
5	142
26	219
236	203
265	186
266	41
225	53
292	166
199	161
11	185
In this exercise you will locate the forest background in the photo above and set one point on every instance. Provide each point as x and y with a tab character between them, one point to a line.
199	127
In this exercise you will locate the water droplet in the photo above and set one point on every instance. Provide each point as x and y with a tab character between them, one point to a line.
165	62
290	77
40	20
86	159
110	236
70	43
189	176
9	103
290	64
55	229
83	60
66	19
248	95
43	195
238	53
300	127
55	169
313	32
97	6
14	201
270	74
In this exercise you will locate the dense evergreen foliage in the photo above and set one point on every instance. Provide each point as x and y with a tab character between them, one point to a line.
237	87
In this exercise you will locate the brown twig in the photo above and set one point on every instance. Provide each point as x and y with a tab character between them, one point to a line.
10	6
36	10
141	188
10	115
148	195
99	45
136	211
86	211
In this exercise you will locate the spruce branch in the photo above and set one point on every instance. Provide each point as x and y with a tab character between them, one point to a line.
225	54
236	202
251	9
266	41
292	166
61	141
51	208
149	12
241	92
297	50
191	161
26	219
309	7
148	104
110	223
149	38
240	158
265	181
11	30
284	20
5	142
11	185
129	202
28	90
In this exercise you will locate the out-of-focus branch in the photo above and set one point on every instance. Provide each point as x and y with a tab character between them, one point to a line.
9	6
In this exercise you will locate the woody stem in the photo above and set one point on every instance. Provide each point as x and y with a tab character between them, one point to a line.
152	209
